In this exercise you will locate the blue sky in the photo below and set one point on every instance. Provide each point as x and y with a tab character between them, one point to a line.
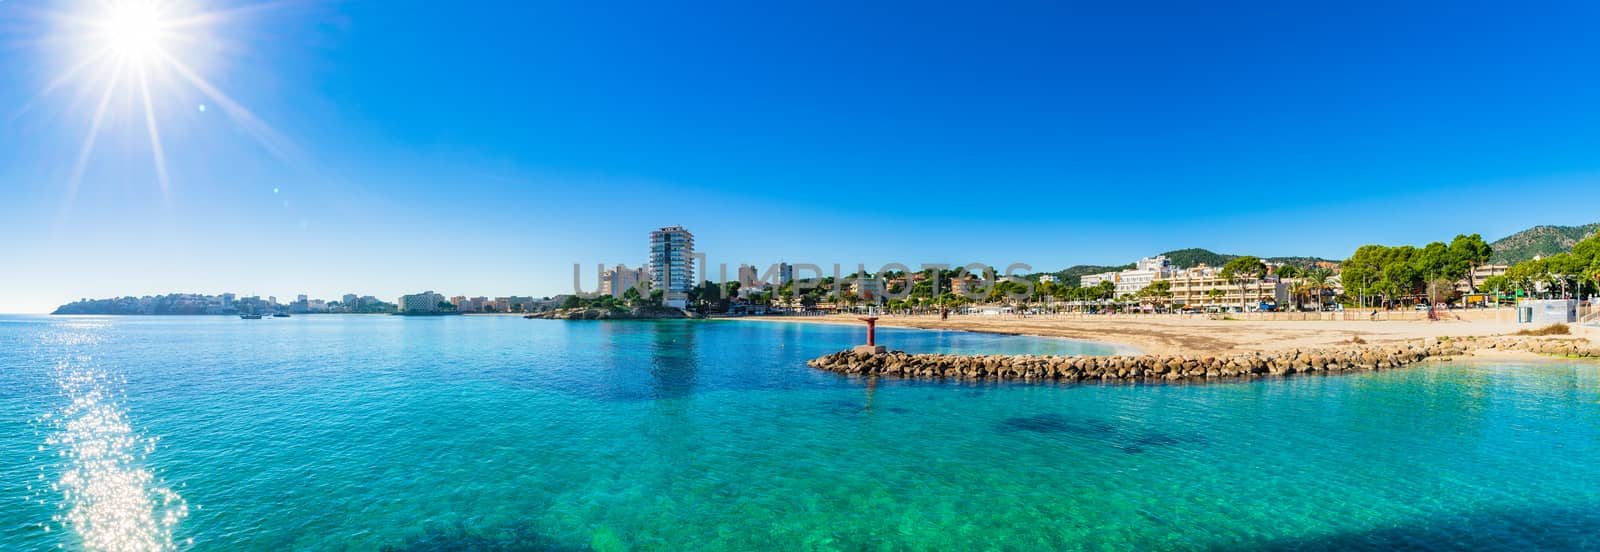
402	146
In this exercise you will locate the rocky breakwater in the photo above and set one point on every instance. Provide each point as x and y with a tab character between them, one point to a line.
1561	347
1165	367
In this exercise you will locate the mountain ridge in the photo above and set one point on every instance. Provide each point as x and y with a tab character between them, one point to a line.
1543	240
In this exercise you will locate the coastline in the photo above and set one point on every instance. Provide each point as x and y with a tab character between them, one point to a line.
1175	335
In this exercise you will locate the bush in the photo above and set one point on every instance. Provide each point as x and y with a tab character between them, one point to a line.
1553	329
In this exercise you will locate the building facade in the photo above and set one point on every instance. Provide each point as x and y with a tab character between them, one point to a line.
748	278
868	289
1144	273
616	281
426	302
672	264
1204	287
1478	275
785	273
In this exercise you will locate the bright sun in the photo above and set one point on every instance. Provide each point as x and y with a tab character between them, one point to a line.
136	52
133	29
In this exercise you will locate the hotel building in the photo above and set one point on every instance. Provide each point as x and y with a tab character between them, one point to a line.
1144	273
420	303
1204	287
868	289
1479	274
672	264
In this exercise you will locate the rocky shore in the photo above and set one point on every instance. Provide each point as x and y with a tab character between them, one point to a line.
1355	357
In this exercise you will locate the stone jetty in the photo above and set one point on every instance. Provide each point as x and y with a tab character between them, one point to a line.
1135	368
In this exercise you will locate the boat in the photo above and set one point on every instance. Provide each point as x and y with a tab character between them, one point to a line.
280	315
250	316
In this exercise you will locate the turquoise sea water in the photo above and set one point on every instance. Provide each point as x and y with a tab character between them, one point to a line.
498	433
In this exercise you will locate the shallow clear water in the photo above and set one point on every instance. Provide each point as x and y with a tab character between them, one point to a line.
477	433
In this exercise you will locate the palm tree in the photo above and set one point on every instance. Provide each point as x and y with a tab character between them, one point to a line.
1317	282
1290	272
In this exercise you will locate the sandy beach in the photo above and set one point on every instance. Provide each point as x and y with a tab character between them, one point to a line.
1188	335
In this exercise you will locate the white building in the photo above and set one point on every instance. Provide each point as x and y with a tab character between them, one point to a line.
420	303
672	264
1144	273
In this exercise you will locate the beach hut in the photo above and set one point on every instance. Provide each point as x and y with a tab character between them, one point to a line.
1547	311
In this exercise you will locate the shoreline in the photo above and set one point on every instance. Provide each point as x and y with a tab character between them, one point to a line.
1163	335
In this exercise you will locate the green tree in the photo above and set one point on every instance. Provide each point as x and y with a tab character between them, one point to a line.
1400	274
1241	271
632	297
1105	290
1363	270
1467	253
1216	294
1158	294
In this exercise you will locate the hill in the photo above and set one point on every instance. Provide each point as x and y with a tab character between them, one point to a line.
1539	240
1071	276
1194	256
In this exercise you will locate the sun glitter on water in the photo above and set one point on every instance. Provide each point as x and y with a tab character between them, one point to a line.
109	497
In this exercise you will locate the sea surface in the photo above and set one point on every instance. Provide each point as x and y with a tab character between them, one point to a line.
498	433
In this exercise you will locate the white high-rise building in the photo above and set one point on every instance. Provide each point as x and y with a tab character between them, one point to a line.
672	264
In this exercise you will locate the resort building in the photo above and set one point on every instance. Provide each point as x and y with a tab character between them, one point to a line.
420	303
513	304
1144	273
1478	275
615	282
959	286
469	304
868	289
1203	287
672	264
1047	278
